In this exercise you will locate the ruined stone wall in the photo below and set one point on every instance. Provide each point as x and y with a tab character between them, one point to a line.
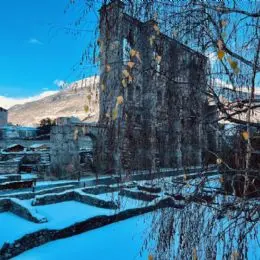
160	121
64	151
66	140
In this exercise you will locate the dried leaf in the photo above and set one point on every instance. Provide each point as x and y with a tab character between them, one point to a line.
194	254
108	68
235	256
158	58
221	179
150	257
130	64
130	79
233	65
120	100
125	73
133	52
245	135
124	83
114	113
151	40
221	54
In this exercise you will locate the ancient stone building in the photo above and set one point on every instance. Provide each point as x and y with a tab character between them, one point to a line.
152	101
160	84
3	116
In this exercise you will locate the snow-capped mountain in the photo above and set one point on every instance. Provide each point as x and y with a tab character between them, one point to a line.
79	99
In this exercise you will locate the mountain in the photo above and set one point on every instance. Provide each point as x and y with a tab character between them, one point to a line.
79	99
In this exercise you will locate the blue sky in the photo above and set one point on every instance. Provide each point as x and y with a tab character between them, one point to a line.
35	50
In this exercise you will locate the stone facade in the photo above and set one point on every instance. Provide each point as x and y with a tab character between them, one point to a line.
162	83
152	101
3	117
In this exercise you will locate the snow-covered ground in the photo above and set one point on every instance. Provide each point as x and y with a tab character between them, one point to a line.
119	241
59	215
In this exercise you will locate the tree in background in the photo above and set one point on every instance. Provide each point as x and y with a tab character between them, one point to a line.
45	126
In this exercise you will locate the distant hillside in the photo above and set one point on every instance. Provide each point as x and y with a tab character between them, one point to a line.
80	99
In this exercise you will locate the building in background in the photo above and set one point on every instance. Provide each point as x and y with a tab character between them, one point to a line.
3	116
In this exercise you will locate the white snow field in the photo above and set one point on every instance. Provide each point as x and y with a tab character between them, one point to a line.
59	215
119	241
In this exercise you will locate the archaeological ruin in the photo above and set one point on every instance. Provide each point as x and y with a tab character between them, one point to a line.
153	107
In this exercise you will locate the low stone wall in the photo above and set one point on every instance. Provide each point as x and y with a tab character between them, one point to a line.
76	195
96	190
138	195
16	185
31	195
152	189
16	206
41	237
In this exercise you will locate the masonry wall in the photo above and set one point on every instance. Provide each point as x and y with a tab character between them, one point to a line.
160	121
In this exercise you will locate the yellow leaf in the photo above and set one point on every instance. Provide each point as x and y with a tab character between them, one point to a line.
133	52
124	83
219	161
130	64
108	68
221	54
233	65
150	257
151	40
125	73
130	79
114	113
120	100
86	108
194	254
158	58
156	28
103	87
235	256
245	135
